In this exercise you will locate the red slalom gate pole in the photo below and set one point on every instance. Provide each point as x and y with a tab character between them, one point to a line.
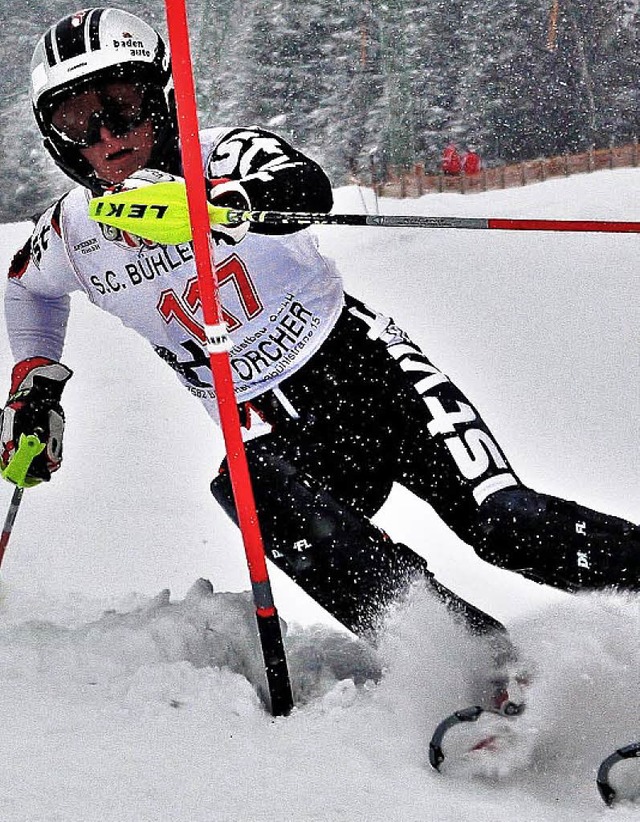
218	346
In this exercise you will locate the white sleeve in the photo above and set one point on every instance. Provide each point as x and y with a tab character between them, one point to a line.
37	294
36	325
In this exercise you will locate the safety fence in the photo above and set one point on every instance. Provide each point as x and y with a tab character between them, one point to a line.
416	181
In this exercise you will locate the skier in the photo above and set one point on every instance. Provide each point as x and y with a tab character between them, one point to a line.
349	403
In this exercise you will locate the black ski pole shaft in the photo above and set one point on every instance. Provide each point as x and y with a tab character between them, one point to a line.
417	221
14	506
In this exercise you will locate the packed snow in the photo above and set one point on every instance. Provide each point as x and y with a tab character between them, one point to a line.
131	680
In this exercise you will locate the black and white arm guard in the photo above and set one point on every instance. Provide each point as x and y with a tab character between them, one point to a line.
274	175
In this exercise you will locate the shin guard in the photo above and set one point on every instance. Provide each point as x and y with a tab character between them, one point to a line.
559	542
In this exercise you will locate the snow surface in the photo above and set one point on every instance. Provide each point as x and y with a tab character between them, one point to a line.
123	702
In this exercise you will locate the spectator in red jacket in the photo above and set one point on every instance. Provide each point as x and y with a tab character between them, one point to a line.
451	163
471	162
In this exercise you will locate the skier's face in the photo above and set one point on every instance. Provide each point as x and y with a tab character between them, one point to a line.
111	127
115	158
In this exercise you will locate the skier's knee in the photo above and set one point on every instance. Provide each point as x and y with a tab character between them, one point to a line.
338	557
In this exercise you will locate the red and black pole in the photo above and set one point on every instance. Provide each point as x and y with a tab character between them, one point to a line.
218	346
14	506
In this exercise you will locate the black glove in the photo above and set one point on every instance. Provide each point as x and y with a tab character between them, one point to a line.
33	407
228	194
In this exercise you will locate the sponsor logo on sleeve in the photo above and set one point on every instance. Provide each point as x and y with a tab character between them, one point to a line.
20	261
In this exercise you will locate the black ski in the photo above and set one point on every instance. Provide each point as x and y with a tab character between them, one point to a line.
607	792
472	714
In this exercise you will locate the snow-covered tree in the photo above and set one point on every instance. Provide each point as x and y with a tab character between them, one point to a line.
349	80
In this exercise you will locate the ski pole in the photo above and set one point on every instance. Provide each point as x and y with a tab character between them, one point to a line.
29	446
14	505
218	346
160	213
416	221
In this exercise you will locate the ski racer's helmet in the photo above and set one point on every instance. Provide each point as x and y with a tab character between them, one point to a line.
95	46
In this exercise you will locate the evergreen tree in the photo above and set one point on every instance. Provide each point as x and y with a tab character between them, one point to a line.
435	56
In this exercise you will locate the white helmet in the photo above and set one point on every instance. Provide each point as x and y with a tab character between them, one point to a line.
91	47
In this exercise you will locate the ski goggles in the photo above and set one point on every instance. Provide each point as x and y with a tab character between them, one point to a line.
118	106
